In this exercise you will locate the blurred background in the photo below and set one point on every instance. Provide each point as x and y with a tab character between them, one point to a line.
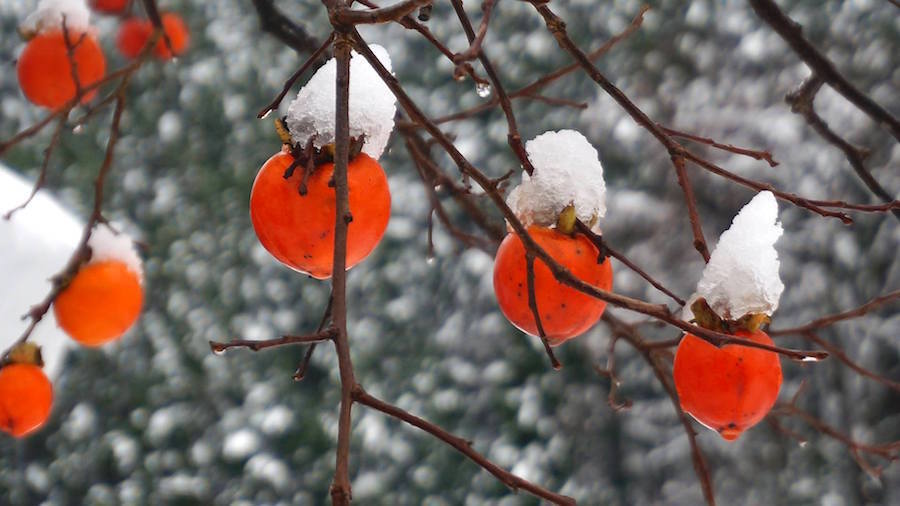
158	419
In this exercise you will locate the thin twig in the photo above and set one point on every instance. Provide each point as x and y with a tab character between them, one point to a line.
340	487
314	58
792	33
825	321
254	345
630	334
461	445
752	153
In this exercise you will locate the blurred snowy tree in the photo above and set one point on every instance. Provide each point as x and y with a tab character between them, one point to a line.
158	419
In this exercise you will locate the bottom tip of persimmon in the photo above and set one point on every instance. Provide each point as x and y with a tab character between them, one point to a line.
730	433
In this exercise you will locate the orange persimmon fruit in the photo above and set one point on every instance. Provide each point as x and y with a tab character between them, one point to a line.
109	6
45	72
135	32
102	301
298	230
727	389
564	311
178	35
26	396
133	36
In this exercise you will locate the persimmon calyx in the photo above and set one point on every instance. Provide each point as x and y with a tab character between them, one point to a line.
319	155
568	217
705	317
24	353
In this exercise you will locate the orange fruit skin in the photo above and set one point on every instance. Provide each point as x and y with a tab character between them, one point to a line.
26	396
177	31
565	312
45	73
133	36
727	389
298	230
102	302
109	6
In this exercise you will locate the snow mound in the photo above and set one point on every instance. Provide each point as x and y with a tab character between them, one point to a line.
372	105
567	171
742	274
50	13
35	244
107	244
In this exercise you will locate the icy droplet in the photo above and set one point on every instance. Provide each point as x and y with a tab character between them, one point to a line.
78	129
217	348
266	115
429	260
803	444
483	89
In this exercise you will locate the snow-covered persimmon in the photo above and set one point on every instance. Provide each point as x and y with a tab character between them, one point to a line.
177	33
298	230
45	71
101	302
133	36
109	6
731	388
727	389
565	186
564	311
26	396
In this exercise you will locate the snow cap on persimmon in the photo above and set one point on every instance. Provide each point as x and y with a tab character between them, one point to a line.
107	244
49	16
567	172
372	105
742	274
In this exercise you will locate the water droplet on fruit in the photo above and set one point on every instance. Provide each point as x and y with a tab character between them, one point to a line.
483	89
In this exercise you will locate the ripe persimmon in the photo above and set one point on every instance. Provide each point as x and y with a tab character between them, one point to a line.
298	230
101	302
26	396
133	36
727	389
109	6
178	35
564	311
135	32
45	71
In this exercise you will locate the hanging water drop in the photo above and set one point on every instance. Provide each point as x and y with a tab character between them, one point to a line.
429	259
266	115
483	89
78	129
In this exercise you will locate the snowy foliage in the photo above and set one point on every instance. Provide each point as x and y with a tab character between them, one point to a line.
742	274
567	171
50	14
372	105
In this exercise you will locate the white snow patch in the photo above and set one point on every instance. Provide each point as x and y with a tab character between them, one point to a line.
36	243
240	445
107	244
742	274
567	171
372	105
50	13
269	469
